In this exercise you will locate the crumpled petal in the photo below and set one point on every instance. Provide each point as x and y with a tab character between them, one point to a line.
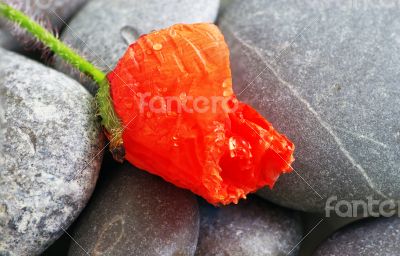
173	91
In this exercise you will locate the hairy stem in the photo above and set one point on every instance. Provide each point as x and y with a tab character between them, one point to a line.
110	120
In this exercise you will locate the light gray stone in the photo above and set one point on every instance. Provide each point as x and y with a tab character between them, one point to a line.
325	73
52	14
251	228
49	154
103	30
374	237
135	213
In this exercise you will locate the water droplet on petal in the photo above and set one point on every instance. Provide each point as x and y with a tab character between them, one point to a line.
227	93
226	83
239	148
157	47
129	34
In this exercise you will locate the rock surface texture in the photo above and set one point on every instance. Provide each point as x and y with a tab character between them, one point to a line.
103	30
374	237
135	213
251	228
6	40
52	14
325	73
49	154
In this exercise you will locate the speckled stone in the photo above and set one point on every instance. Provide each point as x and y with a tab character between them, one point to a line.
329	82
49	161
374	237
53	14
103	29
251	228
135	213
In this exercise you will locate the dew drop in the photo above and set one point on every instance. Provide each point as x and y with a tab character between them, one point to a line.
225	84
129	34
239	148
226	93
157	47
148	52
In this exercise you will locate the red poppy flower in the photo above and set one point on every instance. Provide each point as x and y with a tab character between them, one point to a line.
173	91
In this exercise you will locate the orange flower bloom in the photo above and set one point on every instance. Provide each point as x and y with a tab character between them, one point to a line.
173	91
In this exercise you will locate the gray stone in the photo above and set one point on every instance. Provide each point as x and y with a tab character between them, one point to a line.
329	82
49	159
135	213
379	237
103	29
223	6
251	228
6	41
52	14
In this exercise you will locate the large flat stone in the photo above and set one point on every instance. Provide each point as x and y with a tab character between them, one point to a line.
325	74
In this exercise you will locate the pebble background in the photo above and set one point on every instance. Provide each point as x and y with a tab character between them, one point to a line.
368	237
252	227
135	213
330	83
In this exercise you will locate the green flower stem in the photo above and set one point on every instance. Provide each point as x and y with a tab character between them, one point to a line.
110	120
